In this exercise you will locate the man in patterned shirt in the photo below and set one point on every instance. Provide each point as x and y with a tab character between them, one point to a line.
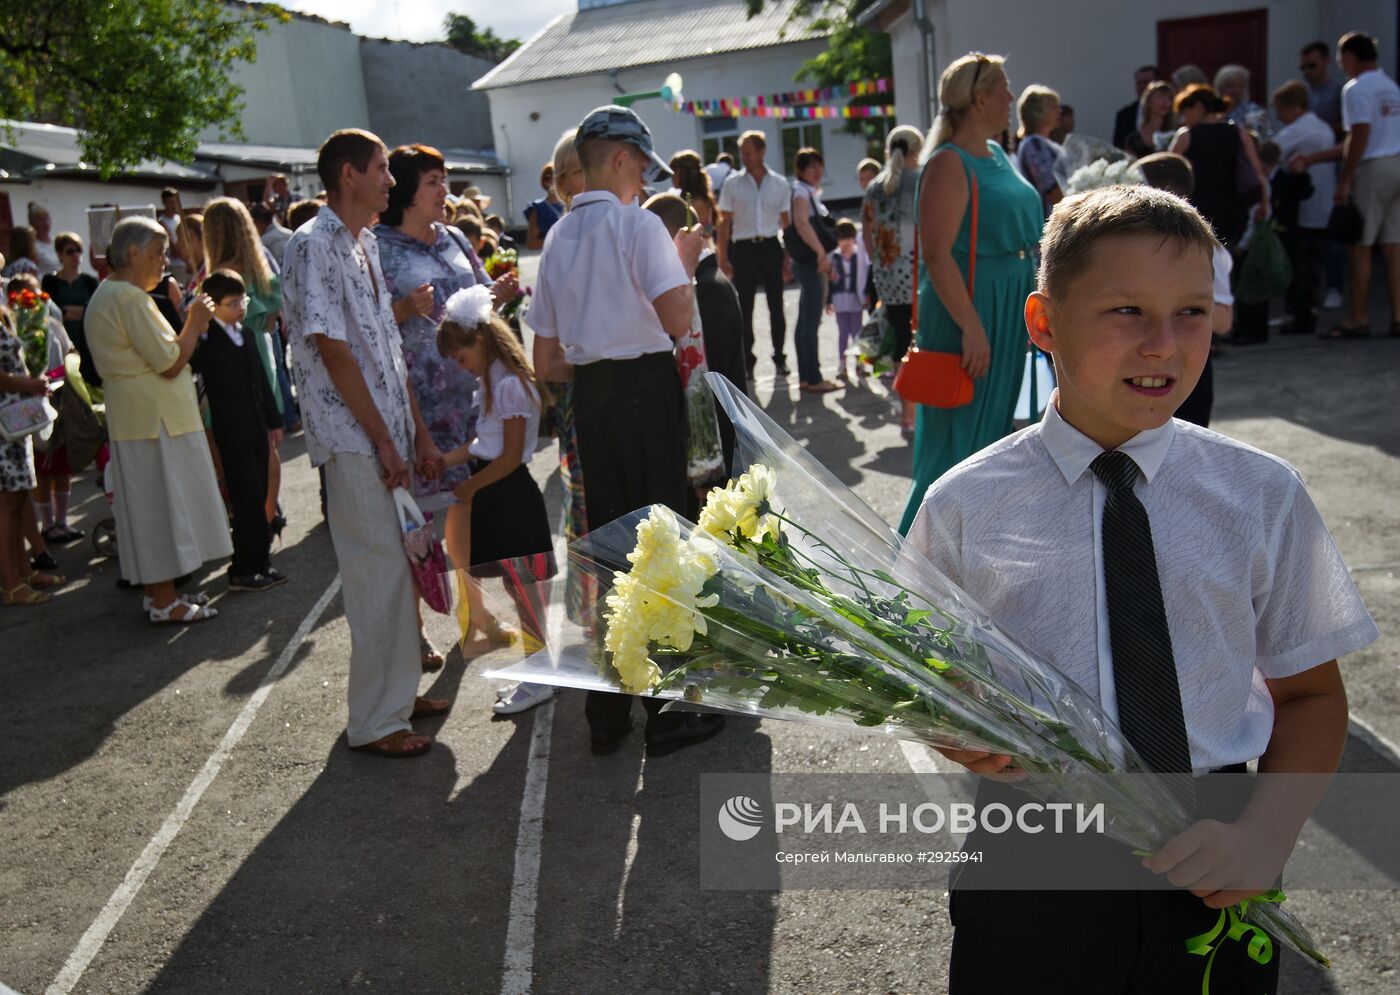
362	424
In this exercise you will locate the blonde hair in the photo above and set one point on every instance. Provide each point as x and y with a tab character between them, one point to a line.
565	162
900	144
231	242
189	232
956	95
1154	88
500	343
1035	103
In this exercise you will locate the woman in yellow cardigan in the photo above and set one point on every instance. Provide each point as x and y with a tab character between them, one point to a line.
169	516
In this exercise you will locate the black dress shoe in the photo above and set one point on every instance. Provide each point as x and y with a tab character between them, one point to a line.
693	728
780	366
605	743
44	561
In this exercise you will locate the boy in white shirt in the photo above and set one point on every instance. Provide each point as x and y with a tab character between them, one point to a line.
1183	577
612	295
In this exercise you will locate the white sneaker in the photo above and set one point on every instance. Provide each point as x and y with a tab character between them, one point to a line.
523	698
1333	300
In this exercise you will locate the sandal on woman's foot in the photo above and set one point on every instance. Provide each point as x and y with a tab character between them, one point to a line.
432	658
1346	332
191	613
24	595
494	632
197	598
397	745
41	580
427	708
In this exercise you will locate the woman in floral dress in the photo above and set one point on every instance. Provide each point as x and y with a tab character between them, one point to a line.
425	263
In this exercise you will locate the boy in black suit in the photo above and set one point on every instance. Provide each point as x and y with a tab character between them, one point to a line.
245	424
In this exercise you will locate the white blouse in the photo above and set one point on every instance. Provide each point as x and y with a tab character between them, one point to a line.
511	397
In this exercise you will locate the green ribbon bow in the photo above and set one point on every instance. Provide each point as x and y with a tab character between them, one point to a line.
1260	947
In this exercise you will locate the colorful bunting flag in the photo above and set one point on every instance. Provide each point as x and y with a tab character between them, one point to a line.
781	105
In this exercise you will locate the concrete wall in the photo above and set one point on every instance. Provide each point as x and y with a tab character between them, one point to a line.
912	102
530	117
305	83
422	93
1088	49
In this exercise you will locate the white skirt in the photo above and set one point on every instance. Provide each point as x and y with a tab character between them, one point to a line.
169	515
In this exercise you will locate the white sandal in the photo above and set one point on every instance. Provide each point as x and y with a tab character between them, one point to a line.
193	613
198	598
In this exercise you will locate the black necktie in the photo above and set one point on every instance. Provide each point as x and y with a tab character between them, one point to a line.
1144	671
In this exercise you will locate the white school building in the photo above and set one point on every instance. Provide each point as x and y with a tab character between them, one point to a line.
582	60
1087	50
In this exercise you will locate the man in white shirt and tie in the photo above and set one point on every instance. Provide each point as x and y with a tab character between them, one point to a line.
753	209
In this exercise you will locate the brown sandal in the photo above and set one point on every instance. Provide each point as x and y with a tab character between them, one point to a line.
391	746
24	595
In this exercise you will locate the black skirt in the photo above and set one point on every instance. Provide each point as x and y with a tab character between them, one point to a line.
509	522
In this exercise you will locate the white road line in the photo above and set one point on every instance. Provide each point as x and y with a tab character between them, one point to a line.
517	973
126	892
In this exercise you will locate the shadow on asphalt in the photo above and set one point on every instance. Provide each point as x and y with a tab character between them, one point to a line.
93	656
1328	387
620	921
808	419
382	876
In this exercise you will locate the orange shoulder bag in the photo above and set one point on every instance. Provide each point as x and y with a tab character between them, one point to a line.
937	379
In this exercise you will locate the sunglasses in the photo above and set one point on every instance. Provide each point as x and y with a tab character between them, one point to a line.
982	60
72	252
1309	65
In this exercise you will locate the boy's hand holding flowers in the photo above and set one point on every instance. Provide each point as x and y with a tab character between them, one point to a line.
505	289
689	244
1223	863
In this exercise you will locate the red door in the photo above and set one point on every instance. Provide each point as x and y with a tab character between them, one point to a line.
1241	38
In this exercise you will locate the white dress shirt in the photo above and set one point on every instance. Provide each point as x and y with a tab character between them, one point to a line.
1309	133
757	207
1252	583
602	266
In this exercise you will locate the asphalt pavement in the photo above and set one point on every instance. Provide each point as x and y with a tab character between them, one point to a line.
179	812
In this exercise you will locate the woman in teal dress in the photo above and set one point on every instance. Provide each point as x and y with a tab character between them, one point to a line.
987	328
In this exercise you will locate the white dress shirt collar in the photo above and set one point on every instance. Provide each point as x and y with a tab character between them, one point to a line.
1073	451
594	196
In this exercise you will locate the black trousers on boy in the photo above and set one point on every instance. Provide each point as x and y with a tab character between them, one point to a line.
1088	942
244	457
1307	251
632	429
759	263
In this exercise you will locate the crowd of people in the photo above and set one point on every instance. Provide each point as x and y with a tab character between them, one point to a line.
393	306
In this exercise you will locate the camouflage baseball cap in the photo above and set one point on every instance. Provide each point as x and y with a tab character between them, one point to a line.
622	124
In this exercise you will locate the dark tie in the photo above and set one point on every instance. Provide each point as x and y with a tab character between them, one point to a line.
1144	671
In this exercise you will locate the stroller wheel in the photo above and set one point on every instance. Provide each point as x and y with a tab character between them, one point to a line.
104	538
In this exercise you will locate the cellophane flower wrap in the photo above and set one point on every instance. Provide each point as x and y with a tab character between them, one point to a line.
792	599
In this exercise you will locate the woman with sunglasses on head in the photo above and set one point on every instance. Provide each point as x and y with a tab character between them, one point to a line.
968	180
71	289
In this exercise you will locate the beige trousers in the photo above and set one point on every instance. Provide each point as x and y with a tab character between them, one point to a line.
380	603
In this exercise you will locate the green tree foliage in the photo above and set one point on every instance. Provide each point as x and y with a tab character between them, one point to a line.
853	53
465	36
140	78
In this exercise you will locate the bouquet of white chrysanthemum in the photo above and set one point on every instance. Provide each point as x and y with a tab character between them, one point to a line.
792	599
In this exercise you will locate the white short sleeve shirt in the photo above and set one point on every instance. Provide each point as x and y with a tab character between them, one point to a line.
1309	133
511	397
1252	583
1373	98
603	265
757	207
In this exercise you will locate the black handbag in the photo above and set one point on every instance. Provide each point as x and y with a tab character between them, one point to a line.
1345	224
825	227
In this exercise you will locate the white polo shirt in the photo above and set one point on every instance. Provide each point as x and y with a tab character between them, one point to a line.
1373	98
602	266
1252	583
757	207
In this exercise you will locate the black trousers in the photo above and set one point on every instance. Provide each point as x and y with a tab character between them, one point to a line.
1307	251
760	264
244	457
1088	942
900	318
630	419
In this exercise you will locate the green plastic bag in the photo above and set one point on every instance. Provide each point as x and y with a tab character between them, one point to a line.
1265	272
